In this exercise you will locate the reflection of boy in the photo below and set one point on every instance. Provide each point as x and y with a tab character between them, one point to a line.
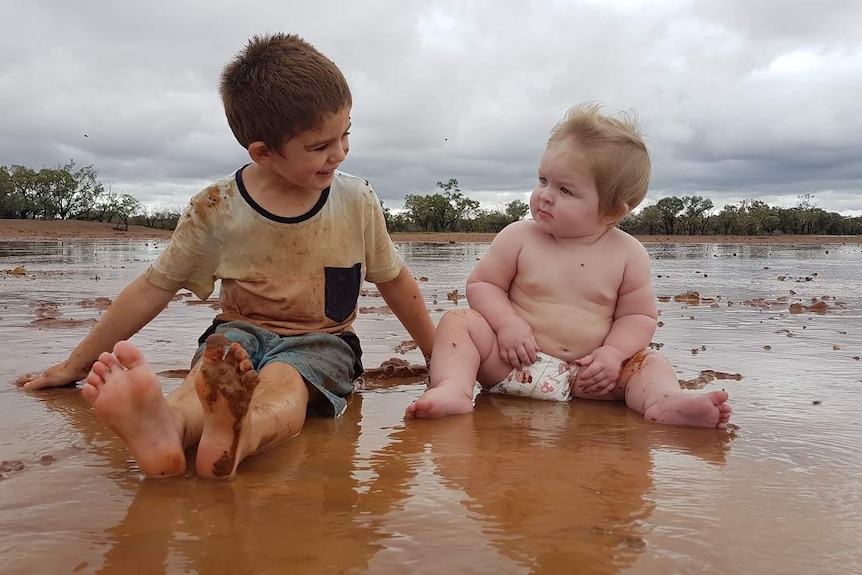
292	240
570	289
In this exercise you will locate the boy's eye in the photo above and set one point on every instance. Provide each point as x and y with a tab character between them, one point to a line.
543	181
566	191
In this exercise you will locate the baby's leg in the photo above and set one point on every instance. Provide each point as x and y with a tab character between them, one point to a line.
465	347
244	412
127	397
653	390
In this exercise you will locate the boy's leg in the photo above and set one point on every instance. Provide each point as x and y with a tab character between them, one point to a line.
465	348
651	388
127	397
213	406
243	412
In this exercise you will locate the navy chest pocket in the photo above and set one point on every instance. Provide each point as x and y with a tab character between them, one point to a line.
342	291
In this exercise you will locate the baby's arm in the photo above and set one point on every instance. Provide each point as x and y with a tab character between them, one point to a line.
633	327
488	294
404	298
135	307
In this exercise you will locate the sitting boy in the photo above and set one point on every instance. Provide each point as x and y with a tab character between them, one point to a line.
562	305
291	240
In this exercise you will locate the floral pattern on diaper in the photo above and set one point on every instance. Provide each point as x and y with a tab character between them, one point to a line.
549	379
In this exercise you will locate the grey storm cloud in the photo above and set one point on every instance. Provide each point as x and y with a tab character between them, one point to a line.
738	100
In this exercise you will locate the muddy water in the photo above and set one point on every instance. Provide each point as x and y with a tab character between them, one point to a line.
519	486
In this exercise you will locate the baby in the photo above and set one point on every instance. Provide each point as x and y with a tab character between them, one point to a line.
562	305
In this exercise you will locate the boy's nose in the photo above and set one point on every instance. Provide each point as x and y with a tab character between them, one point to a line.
339	153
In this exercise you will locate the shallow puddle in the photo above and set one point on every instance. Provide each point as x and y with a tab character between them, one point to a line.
519	486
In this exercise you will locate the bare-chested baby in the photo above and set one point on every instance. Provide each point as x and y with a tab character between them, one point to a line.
292	240
561	306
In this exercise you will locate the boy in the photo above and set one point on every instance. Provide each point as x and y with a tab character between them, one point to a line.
562	306
292	240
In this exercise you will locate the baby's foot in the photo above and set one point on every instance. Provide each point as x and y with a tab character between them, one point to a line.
439	401
701	410
127	397
225	384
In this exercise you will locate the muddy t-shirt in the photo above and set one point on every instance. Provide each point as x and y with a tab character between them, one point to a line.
288	275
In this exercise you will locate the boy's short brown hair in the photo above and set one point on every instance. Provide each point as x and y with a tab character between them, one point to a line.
279	86
615	151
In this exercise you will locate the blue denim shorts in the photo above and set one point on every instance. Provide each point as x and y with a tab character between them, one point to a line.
327	362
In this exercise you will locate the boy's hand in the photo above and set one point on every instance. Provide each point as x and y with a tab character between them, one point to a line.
600	371
55	376
517	345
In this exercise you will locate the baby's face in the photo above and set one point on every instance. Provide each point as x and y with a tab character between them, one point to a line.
565	201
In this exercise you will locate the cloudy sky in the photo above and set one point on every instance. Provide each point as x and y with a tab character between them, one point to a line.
738	99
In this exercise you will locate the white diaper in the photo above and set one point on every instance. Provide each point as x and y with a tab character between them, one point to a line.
549	378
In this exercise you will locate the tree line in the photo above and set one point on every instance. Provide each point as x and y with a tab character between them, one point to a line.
695	215
69	191
72	192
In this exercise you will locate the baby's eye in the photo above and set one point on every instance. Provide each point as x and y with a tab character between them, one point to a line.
566	191
543	181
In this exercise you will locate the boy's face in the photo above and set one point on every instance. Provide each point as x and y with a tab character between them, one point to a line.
565	202
308	160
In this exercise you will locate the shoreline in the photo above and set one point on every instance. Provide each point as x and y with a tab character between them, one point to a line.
77	229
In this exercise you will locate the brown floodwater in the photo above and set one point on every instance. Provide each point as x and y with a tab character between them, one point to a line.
519	486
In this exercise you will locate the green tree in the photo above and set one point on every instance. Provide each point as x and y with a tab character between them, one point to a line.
9	199
670	209
697	210
127	207
25	189
516	210
727	220
764	218
441	212
63	192
651	219
75	190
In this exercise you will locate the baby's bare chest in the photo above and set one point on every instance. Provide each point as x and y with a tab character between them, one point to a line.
551	274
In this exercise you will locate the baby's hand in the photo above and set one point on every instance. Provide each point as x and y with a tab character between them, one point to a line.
518	347
600	371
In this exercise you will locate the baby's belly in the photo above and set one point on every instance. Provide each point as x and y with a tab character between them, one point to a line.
567	334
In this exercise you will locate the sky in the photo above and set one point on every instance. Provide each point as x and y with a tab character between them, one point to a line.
738	99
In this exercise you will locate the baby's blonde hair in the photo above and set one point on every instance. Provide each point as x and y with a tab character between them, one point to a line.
615	151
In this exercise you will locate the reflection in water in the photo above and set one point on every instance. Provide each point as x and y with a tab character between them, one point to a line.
299	509
518	486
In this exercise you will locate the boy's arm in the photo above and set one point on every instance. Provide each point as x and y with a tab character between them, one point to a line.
135	307
403	297
632	330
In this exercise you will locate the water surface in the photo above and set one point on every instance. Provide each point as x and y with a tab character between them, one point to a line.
519	486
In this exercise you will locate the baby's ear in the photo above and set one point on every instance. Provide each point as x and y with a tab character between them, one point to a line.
617	213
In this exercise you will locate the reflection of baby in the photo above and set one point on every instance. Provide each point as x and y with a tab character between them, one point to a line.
547	485
571	285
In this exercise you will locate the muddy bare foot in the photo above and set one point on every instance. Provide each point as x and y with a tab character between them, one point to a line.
701	410
440	401
225	384
127	397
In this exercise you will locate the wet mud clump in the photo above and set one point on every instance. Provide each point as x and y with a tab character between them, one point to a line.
394	371
705	377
